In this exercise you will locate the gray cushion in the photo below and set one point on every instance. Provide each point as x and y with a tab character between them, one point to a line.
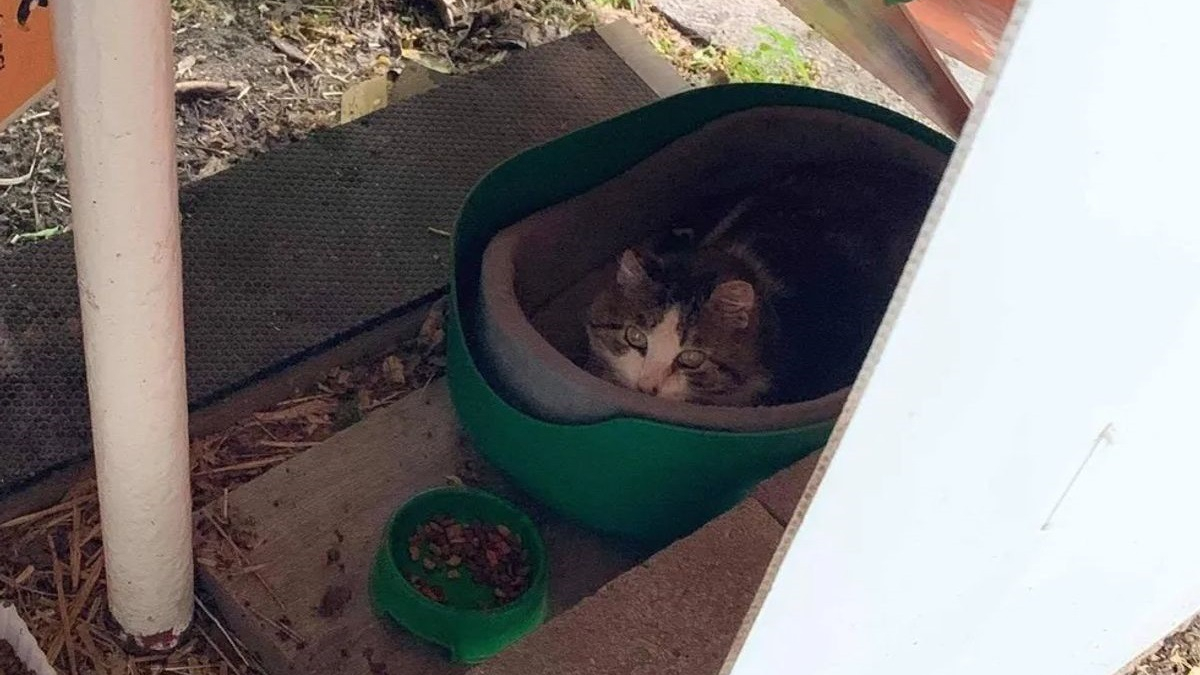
540	273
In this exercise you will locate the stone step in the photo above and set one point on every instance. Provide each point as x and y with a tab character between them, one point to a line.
677	613
308	531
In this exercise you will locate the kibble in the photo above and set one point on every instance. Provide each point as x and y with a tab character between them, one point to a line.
492	554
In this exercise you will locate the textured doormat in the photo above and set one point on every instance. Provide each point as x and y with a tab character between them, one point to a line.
297	250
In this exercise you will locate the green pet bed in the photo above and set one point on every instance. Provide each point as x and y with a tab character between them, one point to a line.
540	232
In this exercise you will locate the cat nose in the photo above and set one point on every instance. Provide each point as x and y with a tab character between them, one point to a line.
648	388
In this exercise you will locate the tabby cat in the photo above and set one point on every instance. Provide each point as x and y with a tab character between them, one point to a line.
777	302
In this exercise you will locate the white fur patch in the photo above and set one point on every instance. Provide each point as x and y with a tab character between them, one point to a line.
654	372
662	346
627	366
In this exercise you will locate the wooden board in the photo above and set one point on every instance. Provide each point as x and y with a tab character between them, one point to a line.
676	614
338	496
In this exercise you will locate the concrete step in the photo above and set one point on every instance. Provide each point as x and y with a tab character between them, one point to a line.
677	613
307	531
280	546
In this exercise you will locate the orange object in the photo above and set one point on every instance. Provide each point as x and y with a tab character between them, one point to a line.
26	58
968	30
888	43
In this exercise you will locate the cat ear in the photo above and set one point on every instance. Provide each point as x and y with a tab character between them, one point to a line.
631	272
733	301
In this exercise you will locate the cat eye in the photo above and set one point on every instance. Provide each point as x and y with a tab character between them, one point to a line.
635	337
691	358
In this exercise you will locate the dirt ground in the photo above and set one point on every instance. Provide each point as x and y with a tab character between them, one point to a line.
1178	655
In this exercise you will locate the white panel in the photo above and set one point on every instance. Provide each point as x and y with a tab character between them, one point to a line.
1060	294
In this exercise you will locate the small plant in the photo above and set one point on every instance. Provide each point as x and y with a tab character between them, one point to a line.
696	63
776	59
628	5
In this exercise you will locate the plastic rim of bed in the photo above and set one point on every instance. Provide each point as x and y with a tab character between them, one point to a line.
471	634
637	478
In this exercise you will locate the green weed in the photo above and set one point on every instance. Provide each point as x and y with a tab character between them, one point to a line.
629	5
776	59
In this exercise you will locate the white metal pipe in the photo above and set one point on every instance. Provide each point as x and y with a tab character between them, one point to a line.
116	88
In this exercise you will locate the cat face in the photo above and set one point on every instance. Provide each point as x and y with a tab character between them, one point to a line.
671	328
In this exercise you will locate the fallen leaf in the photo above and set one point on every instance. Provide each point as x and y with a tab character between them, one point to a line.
435	63
212	166
207	88
451	13
349	412
393	368
362	398
433	328
184	67
290	50
340	376
364	98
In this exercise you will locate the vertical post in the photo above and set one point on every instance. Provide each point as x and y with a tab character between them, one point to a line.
115	82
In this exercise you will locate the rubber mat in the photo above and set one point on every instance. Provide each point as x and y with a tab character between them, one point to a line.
296	250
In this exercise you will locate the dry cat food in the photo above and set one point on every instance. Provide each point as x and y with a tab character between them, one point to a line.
492	555
10	663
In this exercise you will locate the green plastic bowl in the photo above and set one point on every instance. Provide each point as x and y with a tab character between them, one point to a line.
470	634
635	478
